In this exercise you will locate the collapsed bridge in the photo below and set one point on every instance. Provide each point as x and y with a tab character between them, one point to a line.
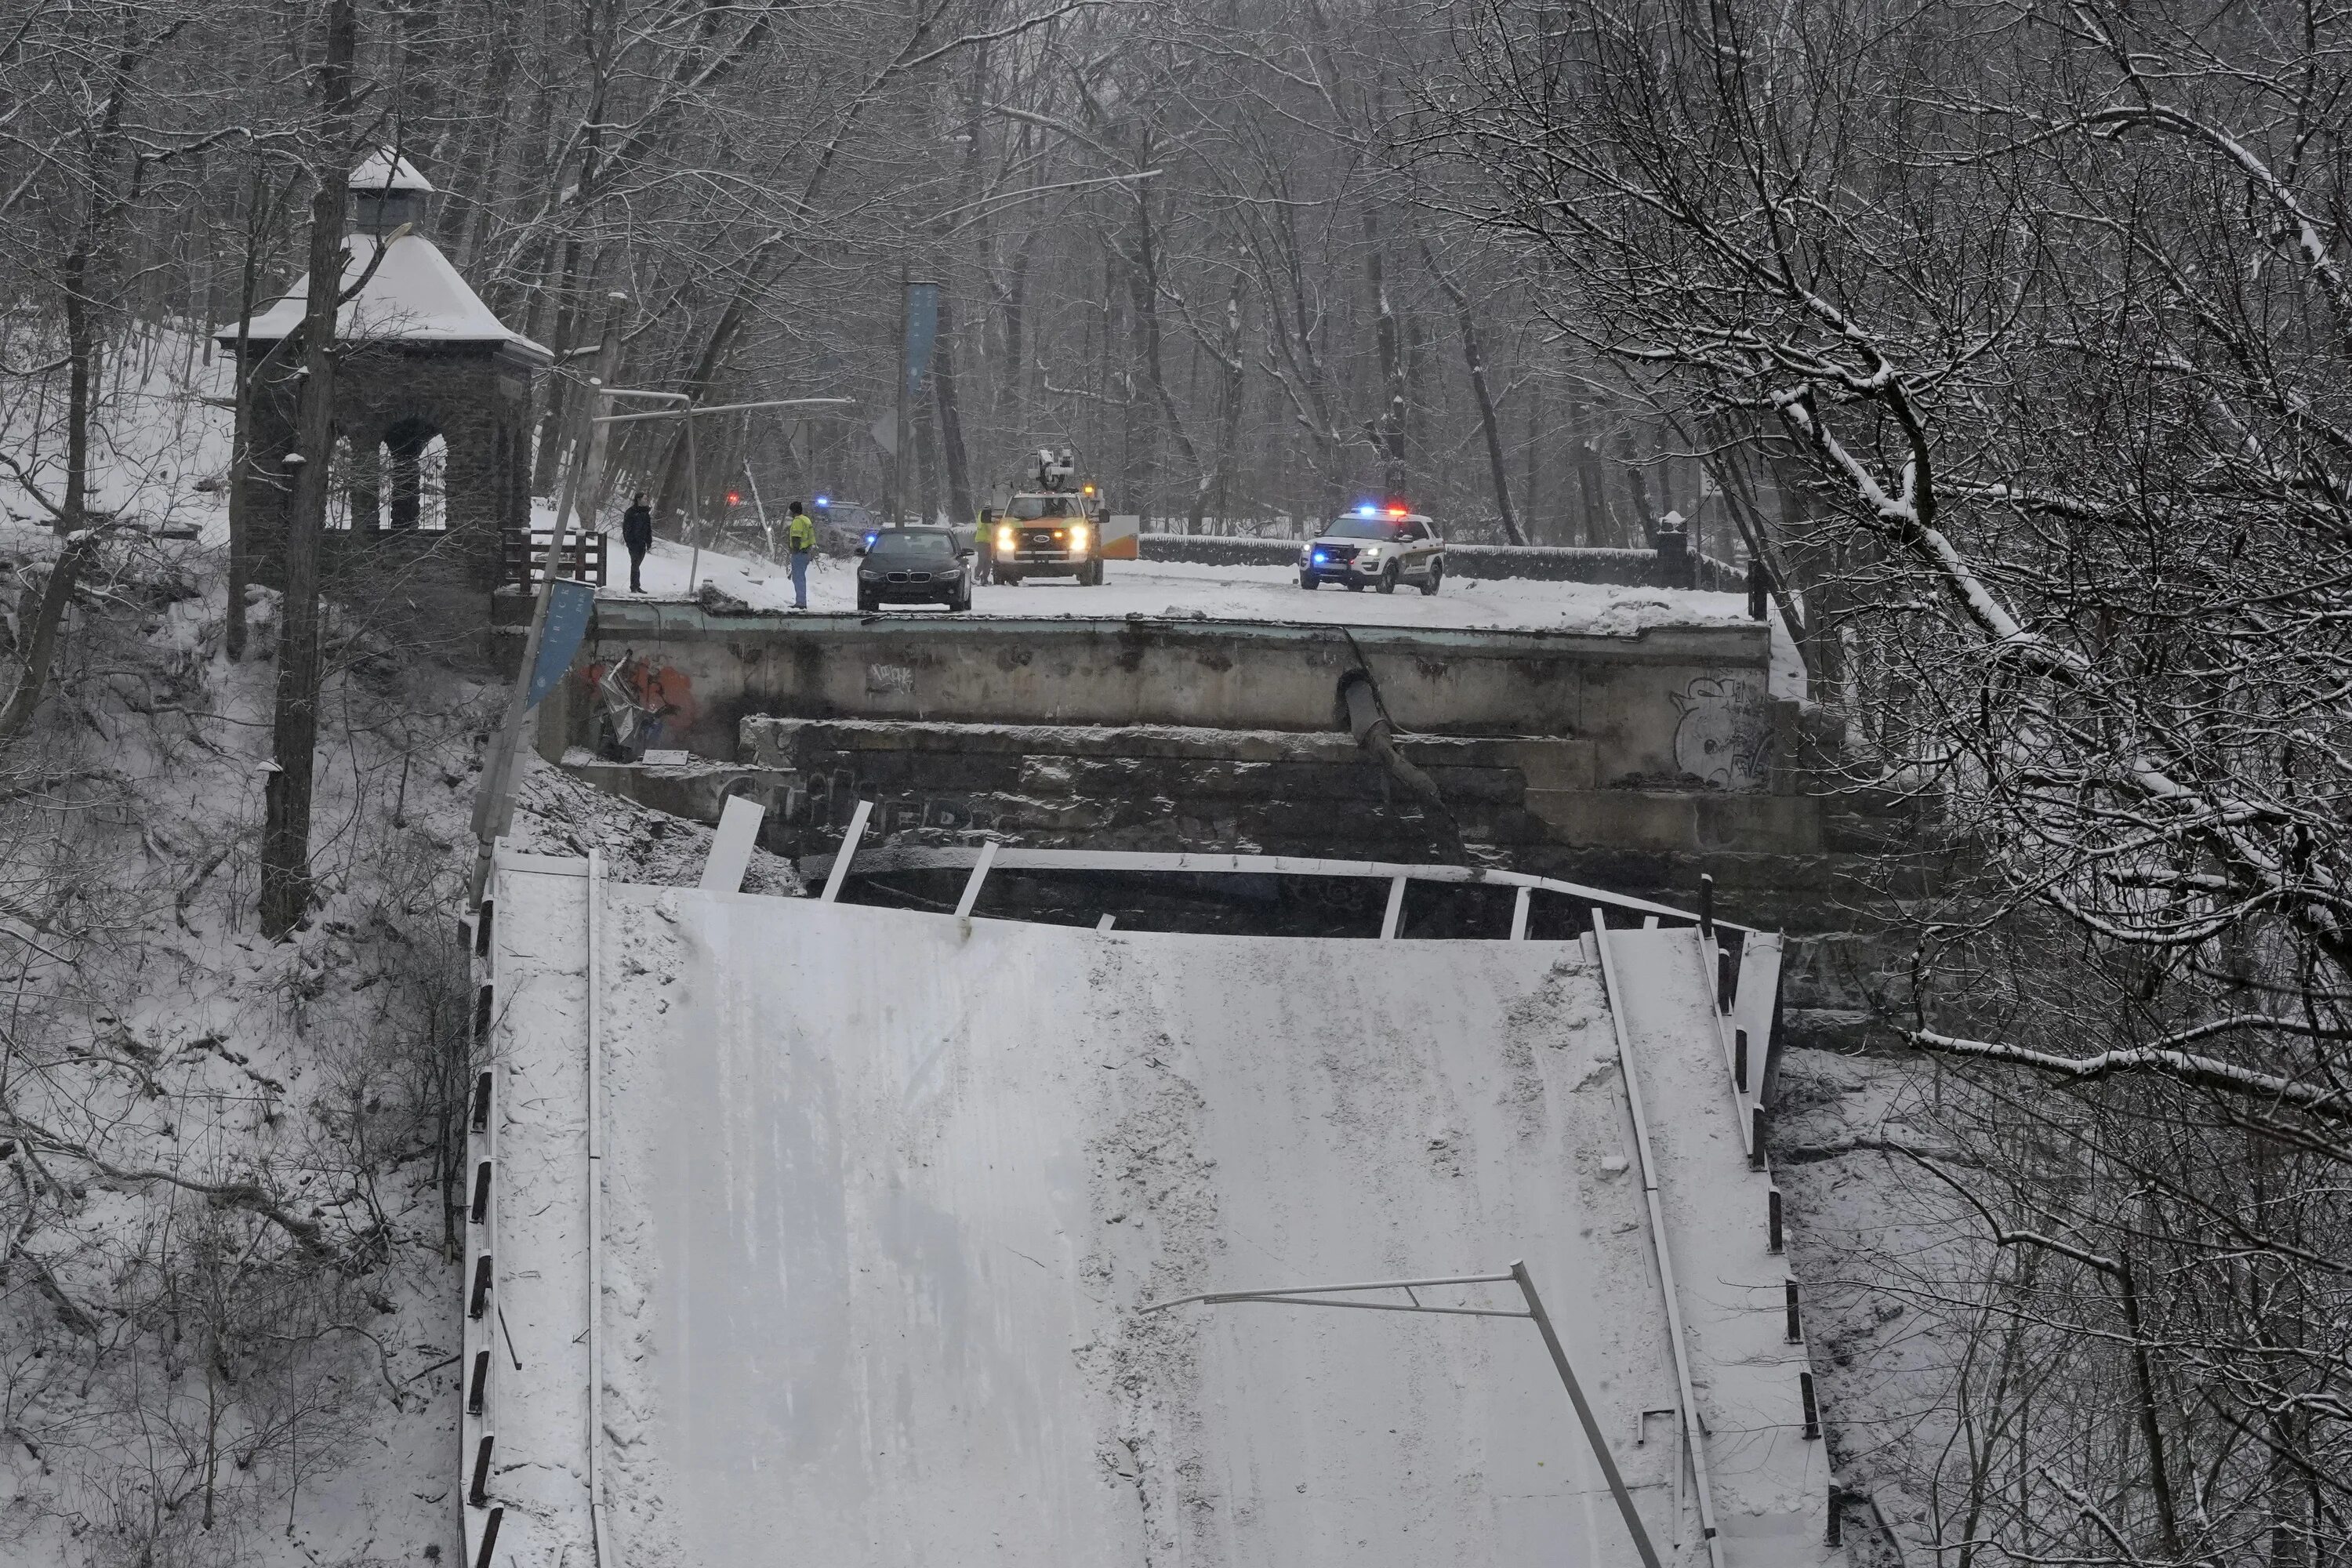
821	1231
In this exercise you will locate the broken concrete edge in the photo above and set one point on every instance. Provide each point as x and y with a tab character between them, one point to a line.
1723	639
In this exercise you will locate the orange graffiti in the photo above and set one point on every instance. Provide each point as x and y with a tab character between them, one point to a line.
663	694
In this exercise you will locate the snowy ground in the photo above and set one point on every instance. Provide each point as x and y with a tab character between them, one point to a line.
169	1035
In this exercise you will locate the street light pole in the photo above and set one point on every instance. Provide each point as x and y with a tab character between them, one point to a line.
693	502
1327	1295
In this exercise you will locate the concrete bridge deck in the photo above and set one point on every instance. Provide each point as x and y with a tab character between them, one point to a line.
883	1191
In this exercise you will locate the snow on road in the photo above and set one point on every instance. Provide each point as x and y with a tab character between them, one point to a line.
1182	590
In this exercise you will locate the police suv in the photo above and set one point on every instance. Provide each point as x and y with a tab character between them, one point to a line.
1376	547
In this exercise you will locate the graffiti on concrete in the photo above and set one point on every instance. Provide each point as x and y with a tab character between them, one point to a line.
1725	732
825	803
646	704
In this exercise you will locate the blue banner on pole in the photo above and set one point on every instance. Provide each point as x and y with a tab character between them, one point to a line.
567	624
922	330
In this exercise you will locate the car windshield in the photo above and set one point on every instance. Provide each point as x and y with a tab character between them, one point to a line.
1360	526
913	544
1029	509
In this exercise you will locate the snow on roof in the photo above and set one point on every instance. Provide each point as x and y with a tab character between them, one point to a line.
386	170
415	296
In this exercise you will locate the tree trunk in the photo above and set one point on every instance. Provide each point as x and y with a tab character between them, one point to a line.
286	829
1389	428
41	637
80	349
1497	466
1229	420
1637	485
258	222
1592	495
963	509
80	274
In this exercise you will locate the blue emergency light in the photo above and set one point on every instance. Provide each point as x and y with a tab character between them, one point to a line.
1367	510
824	500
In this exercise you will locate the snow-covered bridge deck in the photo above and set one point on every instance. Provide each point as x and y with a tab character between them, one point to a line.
884	1191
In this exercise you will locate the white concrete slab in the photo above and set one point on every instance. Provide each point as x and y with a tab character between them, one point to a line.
885	1189
730	846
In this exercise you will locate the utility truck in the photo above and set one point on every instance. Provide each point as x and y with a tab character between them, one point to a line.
1052	527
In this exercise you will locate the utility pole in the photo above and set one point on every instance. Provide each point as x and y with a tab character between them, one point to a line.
898	359
493	797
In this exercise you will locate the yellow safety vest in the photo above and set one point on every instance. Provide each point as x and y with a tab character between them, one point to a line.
801	535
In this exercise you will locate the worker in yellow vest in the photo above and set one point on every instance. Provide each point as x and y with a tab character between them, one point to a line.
799	538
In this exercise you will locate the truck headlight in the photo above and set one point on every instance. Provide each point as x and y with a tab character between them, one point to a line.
1078	536
1005	540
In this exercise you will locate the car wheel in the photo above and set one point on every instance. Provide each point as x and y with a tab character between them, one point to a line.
1007	579
1436	575
1355	585
1388	579
1308	581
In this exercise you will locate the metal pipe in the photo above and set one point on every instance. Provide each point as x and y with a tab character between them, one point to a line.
713	407
1015	858
1634	1525
1676	1340
1361	1306
1330	1289
1315	1296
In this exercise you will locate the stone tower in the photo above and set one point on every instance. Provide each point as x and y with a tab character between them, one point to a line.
433	409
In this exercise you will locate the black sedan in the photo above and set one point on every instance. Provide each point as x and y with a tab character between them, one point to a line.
914	566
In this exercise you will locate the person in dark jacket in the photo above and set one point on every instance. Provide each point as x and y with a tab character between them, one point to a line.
637	534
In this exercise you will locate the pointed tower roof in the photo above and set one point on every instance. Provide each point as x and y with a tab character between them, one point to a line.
414	296
386	170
